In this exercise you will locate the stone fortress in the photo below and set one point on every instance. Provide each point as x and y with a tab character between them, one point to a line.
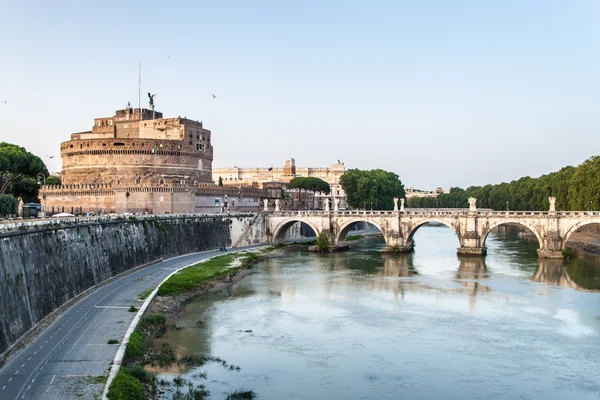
262	177
138	161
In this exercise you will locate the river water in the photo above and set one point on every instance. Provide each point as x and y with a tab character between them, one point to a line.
427	325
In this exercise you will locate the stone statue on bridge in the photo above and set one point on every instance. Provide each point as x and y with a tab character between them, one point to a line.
552	201
472	204
395	204
276	205
401	204
326	202
336	204
266	204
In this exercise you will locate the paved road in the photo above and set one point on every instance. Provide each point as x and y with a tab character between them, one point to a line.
63	361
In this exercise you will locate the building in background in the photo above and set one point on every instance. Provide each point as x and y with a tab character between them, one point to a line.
258	177
138	161
410	192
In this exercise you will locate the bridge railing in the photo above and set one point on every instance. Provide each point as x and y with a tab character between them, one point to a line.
439	213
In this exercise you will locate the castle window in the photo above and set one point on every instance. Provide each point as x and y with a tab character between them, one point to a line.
137	180
199	147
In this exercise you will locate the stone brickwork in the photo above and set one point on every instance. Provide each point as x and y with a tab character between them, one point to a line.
138	161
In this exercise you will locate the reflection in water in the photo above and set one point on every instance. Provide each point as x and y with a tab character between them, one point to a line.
470	271
426	325
554	273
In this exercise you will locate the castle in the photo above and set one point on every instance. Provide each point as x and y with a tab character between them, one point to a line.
138	161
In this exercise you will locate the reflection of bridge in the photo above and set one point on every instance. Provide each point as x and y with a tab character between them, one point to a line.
551	228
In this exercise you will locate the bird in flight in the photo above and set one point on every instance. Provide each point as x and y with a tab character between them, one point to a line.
49	156
214	97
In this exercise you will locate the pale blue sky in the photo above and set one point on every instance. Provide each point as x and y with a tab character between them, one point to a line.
444	93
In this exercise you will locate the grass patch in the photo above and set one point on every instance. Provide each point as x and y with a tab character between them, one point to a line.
204	272
145	293
132	309
135	347
98	380
354	237
126	387
113	341
241	395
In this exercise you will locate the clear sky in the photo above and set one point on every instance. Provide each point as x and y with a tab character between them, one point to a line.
444	93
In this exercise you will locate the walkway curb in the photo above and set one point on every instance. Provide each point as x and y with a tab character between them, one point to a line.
116	365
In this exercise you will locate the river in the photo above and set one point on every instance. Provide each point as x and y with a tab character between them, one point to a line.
426	325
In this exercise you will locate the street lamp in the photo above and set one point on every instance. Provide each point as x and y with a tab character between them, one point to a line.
507	206
41	177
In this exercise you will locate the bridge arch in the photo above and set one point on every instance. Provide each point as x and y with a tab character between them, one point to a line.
574	228
284	226
345	228
415	228
531	229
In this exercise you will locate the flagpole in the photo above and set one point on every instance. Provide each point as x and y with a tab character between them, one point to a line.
140	85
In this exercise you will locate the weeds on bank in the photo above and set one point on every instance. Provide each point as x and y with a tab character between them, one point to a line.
354	237
241	395
202	273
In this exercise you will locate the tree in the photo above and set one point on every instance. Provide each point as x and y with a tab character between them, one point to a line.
375	188
53	181
8	205
26	190
16	162
316	185
220	181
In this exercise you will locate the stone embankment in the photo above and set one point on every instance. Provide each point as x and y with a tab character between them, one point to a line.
44	267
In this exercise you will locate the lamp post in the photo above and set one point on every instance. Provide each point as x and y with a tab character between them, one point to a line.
507	206
42	178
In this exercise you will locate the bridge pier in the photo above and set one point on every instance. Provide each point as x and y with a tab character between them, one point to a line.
471	251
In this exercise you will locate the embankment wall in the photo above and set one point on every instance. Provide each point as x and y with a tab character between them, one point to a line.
44	267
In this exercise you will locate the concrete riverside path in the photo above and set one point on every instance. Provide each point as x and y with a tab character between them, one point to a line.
62	362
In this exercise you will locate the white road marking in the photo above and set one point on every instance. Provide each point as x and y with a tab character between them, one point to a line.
10	379
29	359
17	372
23	365
28	387
110	307
35	352
33	380
52	379
171	269
4	387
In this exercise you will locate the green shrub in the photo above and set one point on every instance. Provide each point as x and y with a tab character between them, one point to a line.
567	254
126	387
139	373
113	341
323	242
132	309
135	347
8	205
159	319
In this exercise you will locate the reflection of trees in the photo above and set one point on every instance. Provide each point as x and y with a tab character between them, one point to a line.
470	270
577	275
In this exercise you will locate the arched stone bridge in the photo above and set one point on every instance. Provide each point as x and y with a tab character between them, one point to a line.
551	228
